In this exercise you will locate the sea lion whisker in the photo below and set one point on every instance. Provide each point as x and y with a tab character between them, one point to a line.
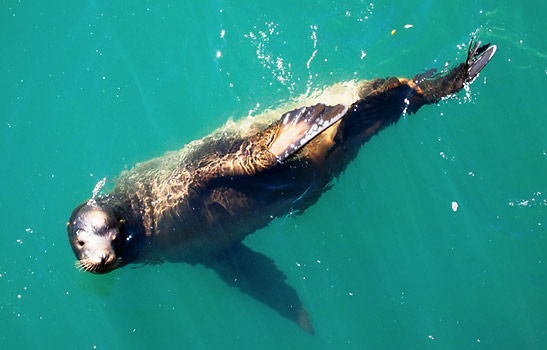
88	266
79	265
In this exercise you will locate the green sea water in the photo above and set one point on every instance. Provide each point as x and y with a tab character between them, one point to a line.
434	237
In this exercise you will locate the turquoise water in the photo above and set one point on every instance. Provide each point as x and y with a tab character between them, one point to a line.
89	88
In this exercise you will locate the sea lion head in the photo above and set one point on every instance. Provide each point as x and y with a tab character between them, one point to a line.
95	235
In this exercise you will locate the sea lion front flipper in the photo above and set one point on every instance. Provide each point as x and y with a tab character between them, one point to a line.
277	143
256	275
300	126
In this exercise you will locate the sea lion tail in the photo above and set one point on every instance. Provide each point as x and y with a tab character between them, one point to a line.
431	88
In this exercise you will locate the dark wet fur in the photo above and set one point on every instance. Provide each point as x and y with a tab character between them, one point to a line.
200	207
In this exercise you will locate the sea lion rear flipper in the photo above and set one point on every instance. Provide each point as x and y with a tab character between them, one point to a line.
480	57
431	89
256	275
300	126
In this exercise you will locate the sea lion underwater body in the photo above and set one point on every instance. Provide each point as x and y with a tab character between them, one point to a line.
197	206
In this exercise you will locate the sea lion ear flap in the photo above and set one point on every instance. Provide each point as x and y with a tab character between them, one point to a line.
300	126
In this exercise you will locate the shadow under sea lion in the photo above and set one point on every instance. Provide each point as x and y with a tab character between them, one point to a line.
196	205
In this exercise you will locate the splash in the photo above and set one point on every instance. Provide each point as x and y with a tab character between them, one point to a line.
314	39
362	15
98	187
537	199
522	216
275	64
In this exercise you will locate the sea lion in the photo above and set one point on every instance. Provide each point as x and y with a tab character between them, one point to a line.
197	205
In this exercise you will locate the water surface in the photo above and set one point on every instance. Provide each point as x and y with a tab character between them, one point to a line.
381	261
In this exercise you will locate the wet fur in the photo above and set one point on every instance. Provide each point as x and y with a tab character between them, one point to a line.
197	204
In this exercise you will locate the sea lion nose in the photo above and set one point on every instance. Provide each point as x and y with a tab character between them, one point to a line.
106	258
